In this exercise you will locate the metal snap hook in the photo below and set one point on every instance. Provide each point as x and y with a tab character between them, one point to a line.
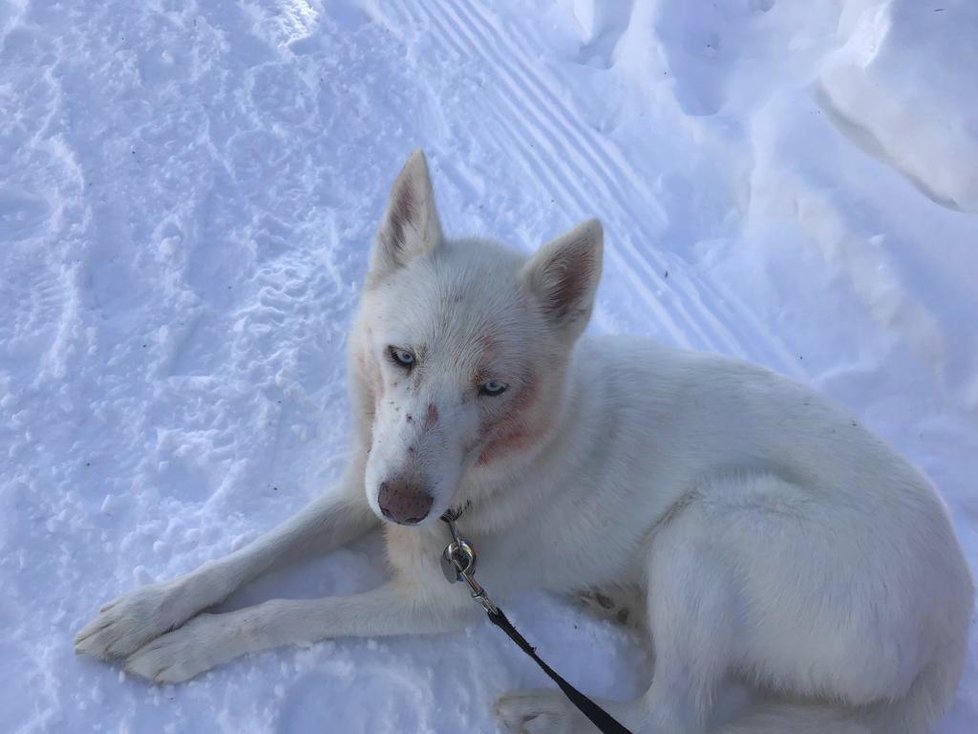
458	560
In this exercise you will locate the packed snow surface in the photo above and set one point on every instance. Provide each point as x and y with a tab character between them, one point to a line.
187	194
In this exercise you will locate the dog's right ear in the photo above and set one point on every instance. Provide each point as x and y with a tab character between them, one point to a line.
563	276
410	227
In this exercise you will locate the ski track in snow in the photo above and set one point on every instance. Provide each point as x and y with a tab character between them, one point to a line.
579	167
187	194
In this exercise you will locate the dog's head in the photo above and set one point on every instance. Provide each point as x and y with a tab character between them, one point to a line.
460	350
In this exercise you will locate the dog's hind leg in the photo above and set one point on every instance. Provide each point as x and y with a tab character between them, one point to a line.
132	620
690	615
396	608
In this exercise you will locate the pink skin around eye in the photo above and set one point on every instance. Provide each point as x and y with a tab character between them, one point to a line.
512	432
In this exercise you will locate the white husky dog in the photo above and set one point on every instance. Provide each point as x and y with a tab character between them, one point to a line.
769	537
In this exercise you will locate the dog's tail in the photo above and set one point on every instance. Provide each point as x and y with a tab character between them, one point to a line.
917	712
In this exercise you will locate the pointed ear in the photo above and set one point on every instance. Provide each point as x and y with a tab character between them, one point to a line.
410	226
563	276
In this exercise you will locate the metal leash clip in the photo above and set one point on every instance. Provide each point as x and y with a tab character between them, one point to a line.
458	559
458	564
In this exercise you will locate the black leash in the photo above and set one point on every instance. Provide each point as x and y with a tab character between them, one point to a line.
605	722
458	564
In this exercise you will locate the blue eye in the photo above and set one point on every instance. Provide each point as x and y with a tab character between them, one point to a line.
493	388
401	357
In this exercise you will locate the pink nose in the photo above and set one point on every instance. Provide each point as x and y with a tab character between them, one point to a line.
403	502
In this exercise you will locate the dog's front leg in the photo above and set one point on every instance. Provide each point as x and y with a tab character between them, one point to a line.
211	639
132	620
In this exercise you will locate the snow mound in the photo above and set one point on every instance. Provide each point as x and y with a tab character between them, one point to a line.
900	85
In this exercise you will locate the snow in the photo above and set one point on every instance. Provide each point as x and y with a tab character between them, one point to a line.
187	193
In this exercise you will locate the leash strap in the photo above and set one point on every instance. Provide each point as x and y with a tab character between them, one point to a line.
458	564
598	716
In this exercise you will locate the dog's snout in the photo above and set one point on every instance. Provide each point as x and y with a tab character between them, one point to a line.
404	502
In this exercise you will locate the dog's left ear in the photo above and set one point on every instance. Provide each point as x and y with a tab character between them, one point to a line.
410	227
563	276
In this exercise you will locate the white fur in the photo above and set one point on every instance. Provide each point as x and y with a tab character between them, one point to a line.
776	541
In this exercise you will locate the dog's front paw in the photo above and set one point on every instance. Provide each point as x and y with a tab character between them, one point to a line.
181	654
126	624
540	712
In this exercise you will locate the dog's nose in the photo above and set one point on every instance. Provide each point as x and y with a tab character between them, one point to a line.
404	502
